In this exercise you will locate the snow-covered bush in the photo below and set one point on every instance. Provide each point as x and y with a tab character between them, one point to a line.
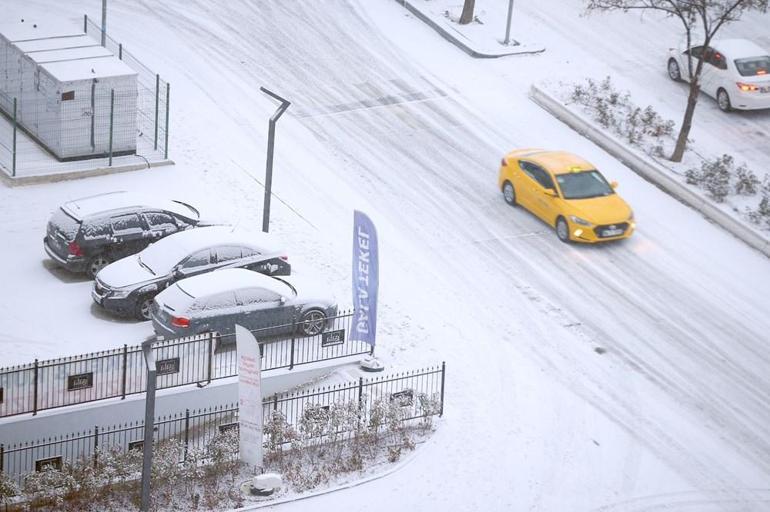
47	488
713	176
746	182
430	406
8	489
614	110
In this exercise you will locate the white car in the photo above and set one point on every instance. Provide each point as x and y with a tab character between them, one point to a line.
127	286
736	72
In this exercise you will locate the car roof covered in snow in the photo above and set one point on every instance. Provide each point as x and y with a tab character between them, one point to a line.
97	205
739	48
171	250
231	279
557	162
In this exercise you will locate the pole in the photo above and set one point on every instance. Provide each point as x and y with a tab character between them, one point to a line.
34	398
508	25
443	374
270	146
168	102
157	100
85	23
149	420
13	164
112	120
104	23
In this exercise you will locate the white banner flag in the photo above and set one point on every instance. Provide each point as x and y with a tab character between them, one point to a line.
249	396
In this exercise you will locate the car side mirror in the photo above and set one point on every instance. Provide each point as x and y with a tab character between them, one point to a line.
551	192
282	300
178	274
614	184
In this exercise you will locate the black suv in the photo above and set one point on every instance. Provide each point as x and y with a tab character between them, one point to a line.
85	235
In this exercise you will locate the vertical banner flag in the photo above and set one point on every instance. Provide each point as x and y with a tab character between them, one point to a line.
365	278
249	396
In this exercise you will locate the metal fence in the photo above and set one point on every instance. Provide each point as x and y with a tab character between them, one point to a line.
44	130
196	428
194	360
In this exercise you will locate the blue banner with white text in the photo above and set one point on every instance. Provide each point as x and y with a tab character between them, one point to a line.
365	279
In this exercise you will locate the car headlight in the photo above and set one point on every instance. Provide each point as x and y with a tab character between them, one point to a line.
578	220
119	293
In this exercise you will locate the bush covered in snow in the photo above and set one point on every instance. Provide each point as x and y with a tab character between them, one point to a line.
716	177
327	442
642	127
761	215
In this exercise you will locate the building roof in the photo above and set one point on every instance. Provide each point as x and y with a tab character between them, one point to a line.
55	43
30	30
63	54
86	69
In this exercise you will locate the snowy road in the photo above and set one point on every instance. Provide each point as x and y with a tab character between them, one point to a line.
673	407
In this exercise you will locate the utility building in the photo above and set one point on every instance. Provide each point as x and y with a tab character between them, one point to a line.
63	82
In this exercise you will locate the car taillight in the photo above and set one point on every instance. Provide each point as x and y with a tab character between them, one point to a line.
180	321
747	87
74	249
504	162
285	258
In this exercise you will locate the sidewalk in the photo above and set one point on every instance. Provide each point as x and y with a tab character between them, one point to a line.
482	38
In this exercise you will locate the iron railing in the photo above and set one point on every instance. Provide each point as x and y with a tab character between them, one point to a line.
197	360
196	428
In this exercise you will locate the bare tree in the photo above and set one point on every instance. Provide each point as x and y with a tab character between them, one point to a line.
467	15
706	16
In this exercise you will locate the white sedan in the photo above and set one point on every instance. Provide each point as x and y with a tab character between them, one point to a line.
736	72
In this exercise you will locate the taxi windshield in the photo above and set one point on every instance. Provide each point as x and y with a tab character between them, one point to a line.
583	185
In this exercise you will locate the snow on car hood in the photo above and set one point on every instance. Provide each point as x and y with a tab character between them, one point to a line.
124	272
609	209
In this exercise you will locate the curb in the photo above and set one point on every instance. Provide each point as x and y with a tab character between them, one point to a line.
650	171
455	41
74	175
396	467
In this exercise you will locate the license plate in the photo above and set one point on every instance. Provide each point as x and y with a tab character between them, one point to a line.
612	232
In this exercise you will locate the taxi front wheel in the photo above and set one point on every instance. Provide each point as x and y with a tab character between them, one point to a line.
562	230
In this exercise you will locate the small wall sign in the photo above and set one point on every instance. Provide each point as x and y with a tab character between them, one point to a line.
80	381
331	338
405	397
167	366
226	427
136	445
53	462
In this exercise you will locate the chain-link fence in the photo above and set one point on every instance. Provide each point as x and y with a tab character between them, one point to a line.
69	104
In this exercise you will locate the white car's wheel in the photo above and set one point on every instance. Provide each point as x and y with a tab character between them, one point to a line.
723	101
674	73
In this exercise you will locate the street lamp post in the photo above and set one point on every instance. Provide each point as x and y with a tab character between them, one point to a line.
149	423
508	25
270	145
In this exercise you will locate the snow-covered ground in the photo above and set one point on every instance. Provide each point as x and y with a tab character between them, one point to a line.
672	414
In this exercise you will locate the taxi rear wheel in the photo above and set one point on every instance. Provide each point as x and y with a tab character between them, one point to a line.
509	194
562	230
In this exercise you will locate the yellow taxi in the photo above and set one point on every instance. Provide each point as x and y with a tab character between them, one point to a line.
568	193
